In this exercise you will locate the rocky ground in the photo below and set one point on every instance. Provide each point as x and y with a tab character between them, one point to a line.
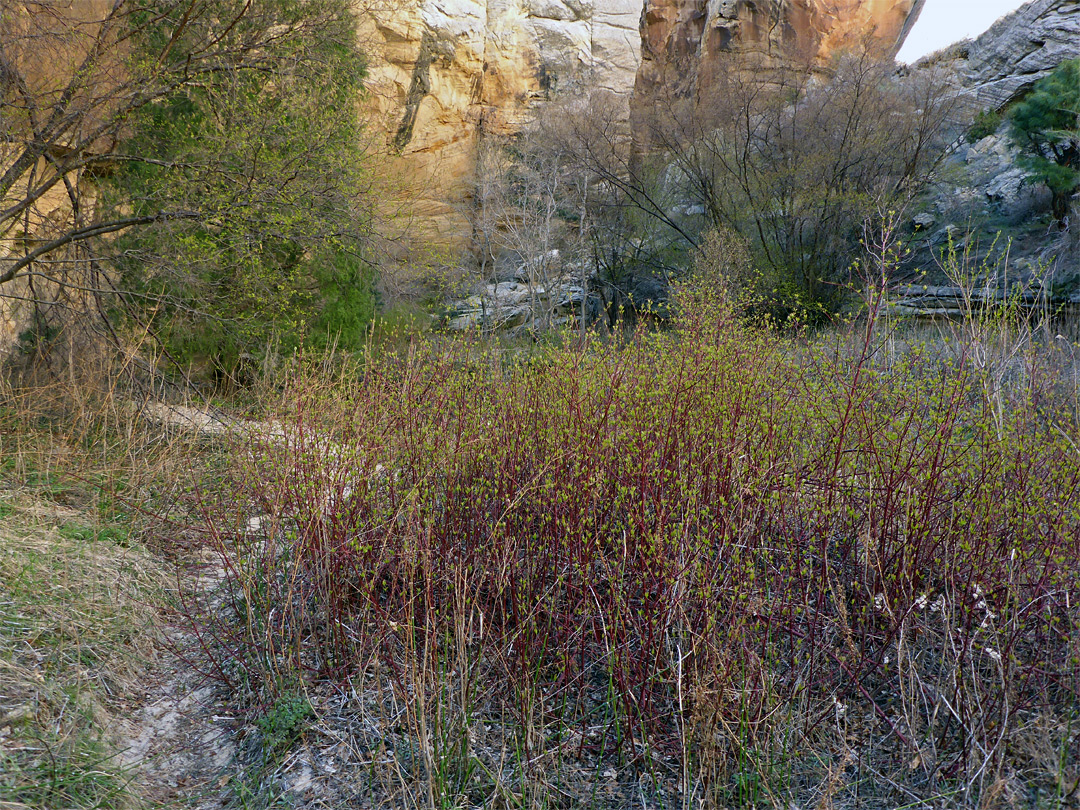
982	201
179	740
998	221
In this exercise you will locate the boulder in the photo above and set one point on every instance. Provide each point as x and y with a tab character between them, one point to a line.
1006	188
508	305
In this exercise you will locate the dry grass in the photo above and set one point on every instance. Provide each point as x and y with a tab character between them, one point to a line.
77	611
80	593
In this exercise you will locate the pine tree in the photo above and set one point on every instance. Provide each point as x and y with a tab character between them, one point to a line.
1046	125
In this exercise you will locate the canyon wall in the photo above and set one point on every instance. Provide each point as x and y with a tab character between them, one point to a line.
686	43
444	73
1015	52
44	47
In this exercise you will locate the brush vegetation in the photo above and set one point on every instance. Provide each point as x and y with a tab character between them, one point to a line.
708	567
717	565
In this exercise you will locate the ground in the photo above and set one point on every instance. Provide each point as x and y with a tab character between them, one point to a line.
178	740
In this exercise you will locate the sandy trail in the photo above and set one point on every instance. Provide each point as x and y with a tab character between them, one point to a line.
179	740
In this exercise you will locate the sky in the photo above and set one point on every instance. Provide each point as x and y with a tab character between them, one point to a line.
944	22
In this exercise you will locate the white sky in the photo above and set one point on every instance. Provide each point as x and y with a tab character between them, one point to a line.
944	22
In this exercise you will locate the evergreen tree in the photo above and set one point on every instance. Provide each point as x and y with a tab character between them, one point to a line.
1046	125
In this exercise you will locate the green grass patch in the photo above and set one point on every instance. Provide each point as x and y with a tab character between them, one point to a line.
283	723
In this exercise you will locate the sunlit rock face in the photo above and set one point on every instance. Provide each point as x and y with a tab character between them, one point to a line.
444	73
687	43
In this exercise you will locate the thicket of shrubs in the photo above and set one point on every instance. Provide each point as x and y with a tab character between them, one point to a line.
738	568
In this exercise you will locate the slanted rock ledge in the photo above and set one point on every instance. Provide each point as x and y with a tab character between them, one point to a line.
1015	52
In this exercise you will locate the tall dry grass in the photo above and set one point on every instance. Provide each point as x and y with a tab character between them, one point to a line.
84	459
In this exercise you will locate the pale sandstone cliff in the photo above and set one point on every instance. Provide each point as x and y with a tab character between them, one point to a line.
44	46
446	72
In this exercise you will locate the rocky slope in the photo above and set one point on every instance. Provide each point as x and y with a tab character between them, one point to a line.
1015	52
983	200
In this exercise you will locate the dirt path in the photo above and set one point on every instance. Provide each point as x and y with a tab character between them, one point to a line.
183	743
179	741
180	744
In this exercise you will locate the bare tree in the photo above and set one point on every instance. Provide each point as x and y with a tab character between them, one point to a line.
793	160
798	166
525	205
629	242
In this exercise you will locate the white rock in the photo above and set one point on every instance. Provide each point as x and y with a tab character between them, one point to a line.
456	19
550	9
1018	50
563	45
1006	187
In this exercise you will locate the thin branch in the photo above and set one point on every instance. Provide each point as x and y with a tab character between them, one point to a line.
89	232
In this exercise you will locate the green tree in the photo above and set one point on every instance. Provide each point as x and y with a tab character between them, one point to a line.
269	158
212	158
1046	125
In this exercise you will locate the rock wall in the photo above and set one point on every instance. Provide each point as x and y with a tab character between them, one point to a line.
1015	52
446	72
685	43
983	199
